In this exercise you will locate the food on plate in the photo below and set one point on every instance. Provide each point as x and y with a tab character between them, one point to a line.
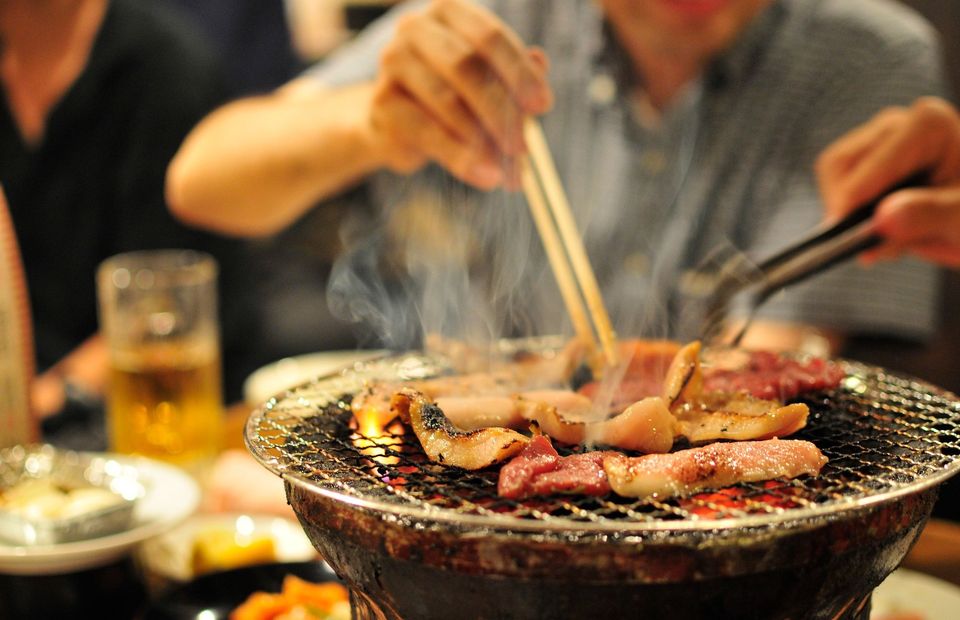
42	498
712	466
444	443
540	470
297	600
220	548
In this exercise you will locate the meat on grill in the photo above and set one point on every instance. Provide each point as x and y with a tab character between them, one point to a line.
510	411
712	466
725	416
768	375
540	470
444	443
762	374
644	426
371	406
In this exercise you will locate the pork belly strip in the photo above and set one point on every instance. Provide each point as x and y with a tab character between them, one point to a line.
540	470
644	426
482	411
713	466
444	443
701	426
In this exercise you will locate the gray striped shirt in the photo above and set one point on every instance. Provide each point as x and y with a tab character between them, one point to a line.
728	168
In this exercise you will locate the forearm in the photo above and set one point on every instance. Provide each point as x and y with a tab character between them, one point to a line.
255	165
85	368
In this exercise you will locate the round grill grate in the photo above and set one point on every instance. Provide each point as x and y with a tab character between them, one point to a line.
885	436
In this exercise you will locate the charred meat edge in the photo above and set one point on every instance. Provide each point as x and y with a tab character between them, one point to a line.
444	443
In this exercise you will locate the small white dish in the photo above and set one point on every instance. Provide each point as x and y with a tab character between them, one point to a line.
906	591
272	379
170	496
169	557
53	496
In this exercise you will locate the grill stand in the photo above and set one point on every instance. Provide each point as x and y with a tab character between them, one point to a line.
820	569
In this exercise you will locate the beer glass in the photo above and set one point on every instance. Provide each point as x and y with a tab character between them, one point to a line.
158	313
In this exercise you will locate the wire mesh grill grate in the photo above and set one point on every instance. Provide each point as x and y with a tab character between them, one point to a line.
884	435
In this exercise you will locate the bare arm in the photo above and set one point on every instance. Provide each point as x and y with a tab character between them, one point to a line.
255	165
453	87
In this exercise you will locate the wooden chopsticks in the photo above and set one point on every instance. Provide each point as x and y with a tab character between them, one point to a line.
564	246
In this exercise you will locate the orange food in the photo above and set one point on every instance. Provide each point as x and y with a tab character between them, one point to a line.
221	549
322	595
297	599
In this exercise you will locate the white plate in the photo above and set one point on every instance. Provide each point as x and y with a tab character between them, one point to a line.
289	372
909	591
169	556
170	496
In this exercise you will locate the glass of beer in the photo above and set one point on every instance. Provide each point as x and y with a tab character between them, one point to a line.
158	314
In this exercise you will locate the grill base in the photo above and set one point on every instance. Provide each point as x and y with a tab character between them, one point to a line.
825	570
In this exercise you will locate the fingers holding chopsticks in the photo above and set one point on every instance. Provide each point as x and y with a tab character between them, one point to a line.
454	87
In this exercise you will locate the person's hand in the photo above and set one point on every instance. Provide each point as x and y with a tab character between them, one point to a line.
81	374
454	87
891	147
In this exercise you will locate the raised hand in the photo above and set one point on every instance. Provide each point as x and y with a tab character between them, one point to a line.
454	86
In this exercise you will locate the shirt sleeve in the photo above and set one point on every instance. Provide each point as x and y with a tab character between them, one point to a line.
356	61
884	68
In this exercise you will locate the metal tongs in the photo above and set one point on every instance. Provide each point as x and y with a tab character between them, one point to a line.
821	249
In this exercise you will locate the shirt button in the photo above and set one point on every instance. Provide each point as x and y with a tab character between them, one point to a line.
636	263
602	89
653	162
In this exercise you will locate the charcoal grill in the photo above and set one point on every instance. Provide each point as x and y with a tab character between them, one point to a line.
415	539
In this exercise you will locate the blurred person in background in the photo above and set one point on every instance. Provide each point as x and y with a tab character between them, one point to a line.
678	127
98	94
251	39
894	145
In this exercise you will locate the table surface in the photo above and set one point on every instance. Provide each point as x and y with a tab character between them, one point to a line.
937	552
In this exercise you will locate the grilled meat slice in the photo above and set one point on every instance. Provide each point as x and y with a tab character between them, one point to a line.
444	443
766	374
540	470
645	426
712	466
509	411
740	420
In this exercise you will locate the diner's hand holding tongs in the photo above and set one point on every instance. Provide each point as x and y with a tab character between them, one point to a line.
826	246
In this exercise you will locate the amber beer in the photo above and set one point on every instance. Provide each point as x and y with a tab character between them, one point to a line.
165	403
158	313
